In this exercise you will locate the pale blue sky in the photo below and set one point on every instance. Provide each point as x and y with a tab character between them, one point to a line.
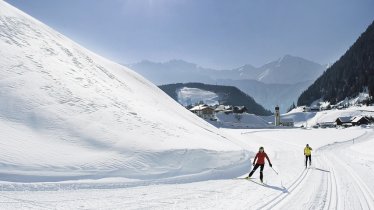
212	33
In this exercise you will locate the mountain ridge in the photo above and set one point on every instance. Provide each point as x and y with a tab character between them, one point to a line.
247	78
282	67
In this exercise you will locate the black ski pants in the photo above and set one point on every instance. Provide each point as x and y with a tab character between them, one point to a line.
306	160
261	170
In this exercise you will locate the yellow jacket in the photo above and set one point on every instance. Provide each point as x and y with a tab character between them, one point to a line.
308	151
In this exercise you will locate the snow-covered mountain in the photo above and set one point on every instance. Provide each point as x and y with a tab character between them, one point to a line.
290	70
280	82
67	113
286	70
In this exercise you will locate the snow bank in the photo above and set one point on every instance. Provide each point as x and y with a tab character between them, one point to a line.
67	113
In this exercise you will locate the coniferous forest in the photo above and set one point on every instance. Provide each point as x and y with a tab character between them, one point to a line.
350	75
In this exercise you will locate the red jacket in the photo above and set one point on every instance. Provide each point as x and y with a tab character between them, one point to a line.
260	157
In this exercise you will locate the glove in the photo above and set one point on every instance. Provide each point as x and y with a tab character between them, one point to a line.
271	165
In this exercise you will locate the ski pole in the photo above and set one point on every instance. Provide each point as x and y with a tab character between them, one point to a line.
274	170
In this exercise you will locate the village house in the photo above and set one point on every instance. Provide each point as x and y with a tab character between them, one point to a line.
204	111
287	122
327	124
360	120
224	108
344	121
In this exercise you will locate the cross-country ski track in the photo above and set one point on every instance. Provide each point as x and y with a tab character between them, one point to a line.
340	178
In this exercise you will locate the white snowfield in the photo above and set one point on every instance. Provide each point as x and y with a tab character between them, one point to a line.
80	132
340	178
67	114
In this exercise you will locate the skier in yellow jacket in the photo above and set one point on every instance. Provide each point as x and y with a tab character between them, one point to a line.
308	155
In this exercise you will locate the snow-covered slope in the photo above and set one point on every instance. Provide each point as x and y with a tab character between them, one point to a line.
67	113
290	70
190	96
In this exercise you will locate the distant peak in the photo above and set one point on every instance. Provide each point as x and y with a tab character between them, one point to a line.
288	57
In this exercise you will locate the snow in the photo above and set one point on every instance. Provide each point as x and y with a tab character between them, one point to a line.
190	96
244	120
263	75
308	119
361	97
69	114
340	178
81	132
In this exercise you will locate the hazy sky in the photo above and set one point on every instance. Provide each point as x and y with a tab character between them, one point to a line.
212	33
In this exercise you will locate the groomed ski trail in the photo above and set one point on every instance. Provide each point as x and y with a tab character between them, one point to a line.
333	183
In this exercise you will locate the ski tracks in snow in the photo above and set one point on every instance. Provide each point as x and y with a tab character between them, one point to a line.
349	184
331	184
281	197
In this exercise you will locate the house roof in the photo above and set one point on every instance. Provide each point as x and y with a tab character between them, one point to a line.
201	107
223	108
358	118
344	119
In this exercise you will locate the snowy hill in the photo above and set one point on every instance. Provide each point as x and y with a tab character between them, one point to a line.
67	113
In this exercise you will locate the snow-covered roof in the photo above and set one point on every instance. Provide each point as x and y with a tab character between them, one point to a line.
357	118
223	108
220	108
344	119
200	107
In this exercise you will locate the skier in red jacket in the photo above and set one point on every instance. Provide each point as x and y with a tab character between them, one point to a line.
260	157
